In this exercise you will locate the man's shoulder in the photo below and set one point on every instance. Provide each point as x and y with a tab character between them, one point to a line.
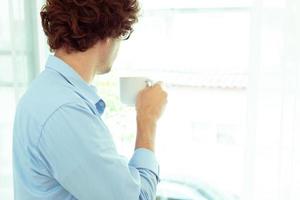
45	95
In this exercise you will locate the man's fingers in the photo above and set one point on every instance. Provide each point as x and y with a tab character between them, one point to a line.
159	83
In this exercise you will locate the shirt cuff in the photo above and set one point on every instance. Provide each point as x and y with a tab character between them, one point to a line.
145	159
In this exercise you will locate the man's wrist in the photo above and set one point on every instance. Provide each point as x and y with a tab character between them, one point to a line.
145	143
145	138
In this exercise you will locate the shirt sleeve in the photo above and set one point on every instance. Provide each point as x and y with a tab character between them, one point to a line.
80	154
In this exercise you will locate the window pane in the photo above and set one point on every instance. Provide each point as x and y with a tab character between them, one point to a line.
22	69
4	26
158	4
188	42
203	55
6	69
13	70
199	137
12	24
7	107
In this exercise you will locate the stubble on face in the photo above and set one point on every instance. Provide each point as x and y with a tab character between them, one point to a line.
109	57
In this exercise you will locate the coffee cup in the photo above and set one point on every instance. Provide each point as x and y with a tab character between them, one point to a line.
130	87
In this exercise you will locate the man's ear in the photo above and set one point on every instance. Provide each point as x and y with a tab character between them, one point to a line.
104	43
107	41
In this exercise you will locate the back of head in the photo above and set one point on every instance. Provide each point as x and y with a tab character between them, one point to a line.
77	25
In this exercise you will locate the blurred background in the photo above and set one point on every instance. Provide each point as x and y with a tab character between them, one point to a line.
231	128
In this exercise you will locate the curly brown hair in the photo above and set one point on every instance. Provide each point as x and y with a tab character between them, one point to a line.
78	24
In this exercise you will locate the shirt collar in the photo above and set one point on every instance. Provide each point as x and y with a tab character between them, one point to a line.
89	92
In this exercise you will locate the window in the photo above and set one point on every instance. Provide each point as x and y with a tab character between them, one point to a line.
201	50
18	66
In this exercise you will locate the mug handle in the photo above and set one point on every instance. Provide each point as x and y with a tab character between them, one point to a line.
149	83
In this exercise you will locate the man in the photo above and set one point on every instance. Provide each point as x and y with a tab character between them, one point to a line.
61	147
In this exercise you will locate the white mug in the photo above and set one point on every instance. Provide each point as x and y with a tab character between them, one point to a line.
130	87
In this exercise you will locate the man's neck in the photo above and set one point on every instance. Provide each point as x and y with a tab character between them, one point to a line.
84	63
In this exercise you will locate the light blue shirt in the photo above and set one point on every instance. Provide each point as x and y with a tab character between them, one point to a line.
63	150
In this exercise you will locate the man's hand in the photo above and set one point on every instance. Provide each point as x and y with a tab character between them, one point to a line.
150	105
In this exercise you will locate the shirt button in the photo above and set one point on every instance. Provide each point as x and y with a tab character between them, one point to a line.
101	103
